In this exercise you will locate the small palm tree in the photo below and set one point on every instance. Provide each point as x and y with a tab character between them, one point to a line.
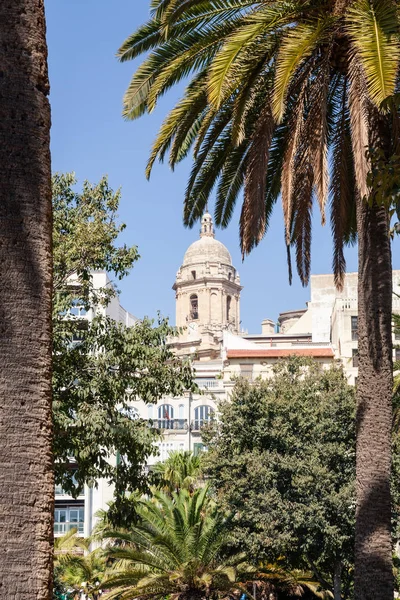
69	544
180	471
83	574
175	550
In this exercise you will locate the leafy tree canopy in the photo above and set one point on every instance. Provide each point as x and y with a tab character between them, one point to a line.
282	460
100	366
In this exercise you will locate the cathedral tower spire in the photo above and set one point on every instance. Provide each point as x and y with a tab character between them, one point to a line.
207	290
207	226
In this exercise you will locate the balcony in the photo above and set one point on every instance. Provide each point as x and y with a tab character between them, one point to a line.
198	424
208	384
170	424
63	528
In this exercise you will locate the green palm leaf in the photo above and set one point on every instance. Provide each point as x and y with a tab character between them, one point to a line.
373	26
297	46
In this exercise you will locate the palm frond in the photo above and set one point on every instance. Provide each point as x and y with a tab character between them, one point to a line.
358	106
296	47
230	184
180	118
343	188
204	176
229	68
373	26
252	219
302	212
316	129
293	130
145	38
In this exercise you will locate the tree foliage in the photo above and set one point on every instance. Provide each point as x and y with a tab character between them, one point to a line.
282	462
100	365
273	89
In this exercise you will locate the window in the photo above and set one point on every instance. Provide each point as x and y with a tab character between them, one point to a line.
166	416
354	328
198	449
354	353
194	307
202	415
246	371
194	274
130	411
229	276
59	490
77	308
397	354
228	307
67	518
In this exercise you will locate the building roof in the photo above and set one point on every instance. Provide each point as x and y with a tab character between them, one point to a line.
280	352
207	249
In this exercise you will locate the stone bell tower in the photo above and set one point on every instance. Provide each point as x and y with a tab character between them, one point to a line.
207	290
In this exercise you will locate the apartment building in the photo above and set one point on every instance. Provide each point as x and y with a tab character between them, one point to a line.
207	291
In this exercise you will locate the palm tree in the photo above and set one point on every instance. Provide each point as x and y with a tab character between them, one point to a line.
69	544
174	550
180	471
66	548
27	486
274	89
82	574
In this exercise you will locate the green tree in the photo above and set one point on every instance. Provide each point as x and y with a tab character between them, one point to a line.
101	366
274	89
27	484
282	462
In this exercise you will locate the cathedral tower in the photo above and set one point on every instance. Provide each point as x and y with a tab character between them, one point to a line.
207	290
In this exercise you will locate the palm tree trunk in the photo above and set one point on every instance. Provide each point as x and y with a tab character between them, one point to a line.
26	479
373	548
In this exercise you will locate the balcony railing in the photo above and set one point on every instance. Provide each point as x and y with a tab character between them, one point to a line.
170	424
62	528
198	424
208	383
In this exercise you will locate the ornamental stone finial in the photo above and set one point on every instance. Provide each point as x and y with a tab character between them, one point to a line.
207	226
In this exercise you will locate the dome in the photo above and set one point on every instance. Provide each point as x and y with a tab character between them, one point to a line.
207	249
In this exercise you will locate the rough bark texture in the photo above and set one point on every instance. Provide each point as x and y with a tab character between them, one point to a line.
26	479
373	557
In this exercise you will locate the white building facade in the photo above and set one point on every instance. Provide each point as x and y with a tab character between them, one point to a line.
79	513
207	290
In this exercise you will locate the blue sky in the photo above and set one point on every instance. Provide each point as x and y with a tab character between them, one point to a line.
90	137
